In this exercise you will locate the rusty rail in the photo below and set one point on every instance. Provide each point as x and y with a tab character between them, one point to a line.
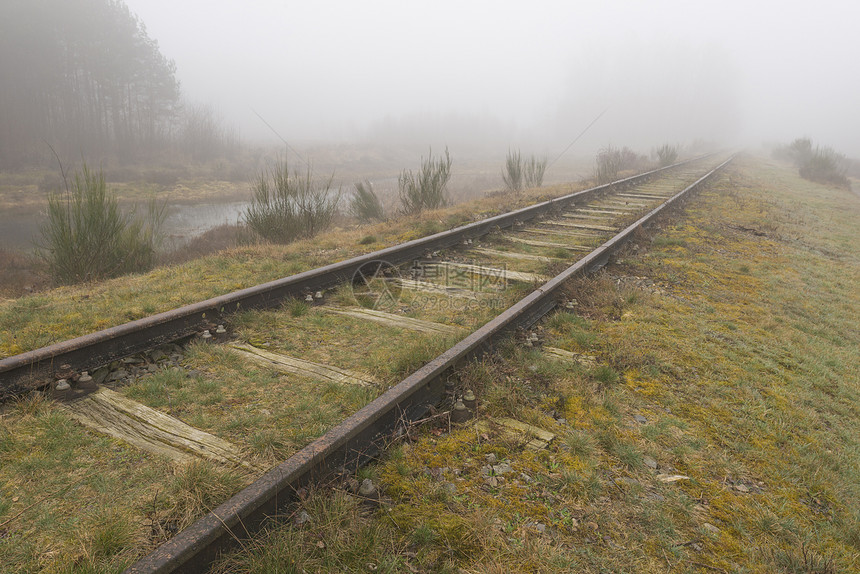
361	435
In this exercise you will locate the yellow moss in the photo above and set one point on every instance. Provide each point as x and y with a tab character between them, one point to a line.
575	411
647	386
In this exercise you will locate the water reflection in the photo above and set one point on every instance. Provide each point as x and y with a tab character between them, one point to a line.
182	224
185	222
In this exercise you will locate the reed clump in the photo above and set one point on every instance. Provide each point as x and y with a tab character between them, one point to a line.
286	206
427	188
520	173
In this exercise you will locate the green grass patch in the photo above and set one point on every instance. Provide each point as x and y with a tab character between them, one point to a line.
98	503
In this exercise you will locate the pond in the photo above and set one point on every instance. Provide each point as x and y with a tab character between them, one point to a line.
183	223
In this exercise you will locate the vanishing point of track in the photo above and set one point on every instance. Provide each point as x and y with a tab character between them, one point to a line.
584	217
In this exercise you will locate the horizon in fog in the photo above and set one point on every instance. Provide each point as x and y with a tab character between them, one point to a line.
514	75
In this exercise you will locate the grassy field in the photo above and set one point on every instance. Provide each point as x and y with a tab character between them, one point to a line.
725	353
719	430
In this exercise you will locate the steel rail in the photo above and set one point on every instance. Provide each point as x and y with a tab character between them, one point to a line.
33	369
361	435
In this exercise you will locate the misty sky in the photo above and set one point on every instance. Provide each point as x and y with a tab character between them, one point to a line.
539	71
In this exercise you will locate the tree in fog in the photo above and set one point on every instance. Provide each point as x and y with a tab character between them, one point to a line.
84	76
203	135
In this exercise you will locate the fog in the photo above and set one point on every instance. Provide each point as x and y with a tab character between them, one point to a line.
532	74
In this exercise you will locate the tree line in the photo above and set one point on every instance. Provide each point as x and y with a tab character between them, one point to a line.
85	77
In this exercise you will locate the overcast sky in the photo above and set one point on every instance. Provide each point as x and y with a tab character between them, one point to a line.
540	71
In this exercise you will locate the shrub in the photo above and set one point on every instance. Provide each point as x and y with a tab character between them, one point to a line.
611	160
797	152
667	155
426	190
819	164
629	159
853	168
824	165
88	238
365	205
513	172
287	207
534	172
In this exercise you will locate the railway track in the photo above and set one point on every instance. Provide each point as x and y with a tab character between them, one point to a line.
506	271
34	369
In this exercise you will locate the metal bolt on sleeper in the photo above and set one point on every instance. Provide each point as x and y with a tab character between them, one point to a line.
470	401
460	413
367	488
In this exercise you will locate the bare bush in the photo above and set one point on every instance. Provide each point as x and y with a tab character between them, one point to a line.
205	135
427	189
608	164
667	155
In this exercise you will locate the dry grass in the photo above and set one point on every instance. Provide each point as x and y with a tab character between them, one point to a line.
212	241
20	274
731	336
